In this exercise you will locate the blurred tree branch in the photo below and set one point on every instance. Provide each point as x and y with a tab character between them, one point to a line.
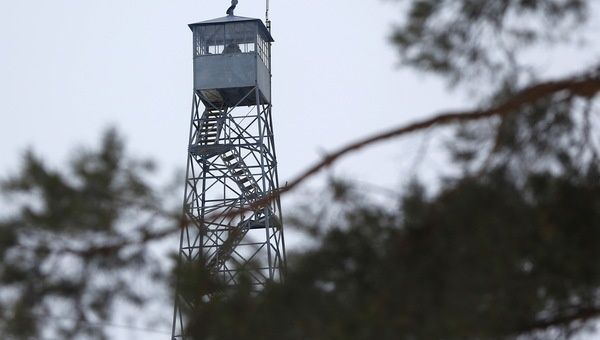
584	86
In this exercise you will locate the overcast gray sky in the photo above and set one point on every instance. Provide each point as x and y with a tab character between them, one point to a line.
70	68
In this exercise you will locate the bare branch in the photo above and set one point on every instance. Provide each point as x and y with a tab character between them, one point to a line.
583	86
587	85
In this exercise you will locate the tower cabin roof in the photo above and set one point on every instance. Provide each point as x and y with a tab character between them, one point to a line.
234	18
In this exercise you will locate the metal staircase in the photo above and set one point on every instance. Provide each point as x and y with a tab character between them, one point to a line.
211	124
241	175
208	138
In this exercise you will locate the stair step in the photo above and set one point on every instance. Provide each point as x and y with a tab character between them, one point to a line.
228	158
209	127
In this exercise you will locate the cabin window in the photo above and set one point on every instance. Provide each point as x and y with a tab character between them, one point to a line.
263	49
231	38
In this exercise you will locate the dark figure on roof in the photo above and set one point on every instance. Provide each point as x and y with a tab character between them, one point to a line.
232	7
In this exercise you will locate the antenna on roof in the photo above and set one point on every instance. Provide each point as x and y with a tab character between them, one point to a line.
267	17
232	7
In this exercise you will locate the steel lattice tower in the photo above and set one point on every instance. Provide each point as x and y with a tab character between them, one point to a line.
231	158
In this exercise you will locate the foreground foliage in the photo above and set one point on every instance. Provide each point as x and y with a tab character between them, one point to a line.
485	258
64	259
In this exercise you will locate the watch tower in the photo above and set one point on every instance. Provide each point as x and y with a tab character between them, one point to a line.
231	160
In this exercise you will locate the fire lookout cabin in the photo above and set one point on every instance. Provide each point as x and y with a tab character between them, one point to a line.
232	57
